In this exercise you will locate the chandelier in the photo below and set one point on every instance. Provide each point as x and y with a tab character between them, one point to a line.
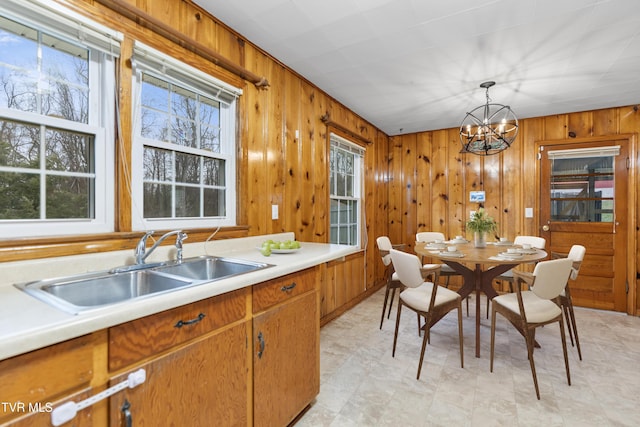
488	129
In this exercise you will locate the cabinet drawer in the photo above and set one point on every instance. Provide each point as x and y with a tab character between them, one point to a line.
275	291
141	338
45	375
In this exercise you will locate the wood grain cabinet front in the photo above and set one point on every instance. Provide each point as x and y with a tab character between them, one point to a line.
32	384
202	384
149	336
196	360
286	348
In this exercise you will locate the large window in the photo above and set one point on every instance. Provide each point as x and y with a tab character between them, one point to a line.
185	143
345	187
56	120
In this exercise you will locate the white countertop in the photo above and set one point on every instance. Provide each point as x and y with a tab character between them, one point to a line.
27	324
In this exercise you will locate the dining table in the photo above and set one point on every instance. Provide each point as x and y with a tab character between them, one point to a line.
479	266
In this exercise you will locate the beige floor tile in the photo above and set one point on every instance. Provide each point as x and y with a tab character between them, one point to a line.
363	385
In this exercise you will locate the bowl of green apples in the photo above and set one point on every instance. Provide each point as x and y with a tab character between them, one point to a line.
271	246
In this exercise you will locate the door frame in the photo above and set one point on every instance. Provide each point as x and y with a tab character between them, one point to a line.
631	241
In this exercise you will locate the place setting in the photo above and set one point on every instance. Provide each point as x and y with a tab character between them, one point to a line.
452	252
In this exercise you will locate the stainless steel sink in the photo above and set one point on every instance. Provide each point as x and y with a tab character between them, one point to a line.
211	268
80	293
84	292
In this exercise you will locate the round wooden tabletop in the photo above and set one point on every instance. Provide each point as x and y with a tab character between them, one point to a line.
491	254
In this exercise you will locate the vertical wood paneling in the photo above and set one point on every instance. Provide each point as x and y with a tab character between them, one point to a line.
322	103
533	130
314	166
276	154
295	167
396	190
579	125
606	122
473	181
453	226
254	130
423	181
510	207
555	127
439	183
409	206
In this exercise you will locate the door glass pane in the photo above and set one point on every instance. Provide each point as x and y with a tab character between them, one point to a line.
582	189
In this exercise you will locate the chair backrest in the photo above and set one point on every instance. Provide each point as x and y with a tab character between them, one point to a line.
551	277
407	267
534	241
576	254
384	245
429	236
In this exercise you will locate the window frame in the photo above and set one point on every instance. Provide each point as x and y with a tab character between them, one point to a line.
103	45
341	143
148	61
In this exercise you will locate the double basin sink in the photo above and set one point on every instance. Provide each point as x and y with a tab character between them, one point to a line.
76	294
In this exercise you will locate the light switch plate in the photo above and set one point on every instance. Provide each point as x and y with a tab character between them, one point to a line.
528	212
274	211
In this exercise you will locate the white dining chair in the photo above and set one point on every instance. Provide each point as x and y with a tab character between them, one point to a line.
433	236
391	277
507	276
539	306
427	299
576	254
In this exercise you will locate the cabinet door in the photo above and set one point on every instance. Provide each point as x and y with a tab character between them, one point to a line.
286	360
201	384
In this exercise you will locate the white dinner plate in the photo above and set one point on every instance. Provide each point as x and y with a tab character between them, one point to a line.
456	254
527	251
510	255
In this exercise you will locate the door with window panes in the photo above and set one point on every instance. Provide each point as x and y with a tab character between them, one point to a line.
583	193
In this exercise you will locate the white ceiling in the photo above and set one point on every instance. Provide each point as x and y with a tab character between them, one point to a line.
414	65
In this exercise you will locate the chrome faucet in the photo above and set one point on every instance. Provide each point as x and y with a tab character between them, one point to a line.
142	253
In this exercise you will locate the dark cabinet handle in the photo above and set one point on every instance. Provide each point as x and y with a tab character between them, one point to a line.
182	323
261	342
128	421
288	288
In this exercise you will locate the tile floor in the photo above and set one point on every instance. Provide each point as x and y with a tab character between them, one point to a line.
362	385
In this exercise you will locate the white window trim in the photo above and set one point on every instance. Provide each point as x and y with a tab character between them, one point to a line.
51	19
147	59
358	183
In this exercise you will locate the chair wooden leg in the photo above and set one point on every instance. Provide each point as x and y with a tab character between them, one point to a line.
564	349
384	305
467	298
493	337
425	339
529	339
395	335
575	331
460	336
393	295
565	311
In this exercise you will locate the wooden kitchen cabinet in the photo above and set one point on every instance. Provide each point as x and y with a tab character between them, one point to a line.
246	357
286	352
196	360
32	384
202	384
